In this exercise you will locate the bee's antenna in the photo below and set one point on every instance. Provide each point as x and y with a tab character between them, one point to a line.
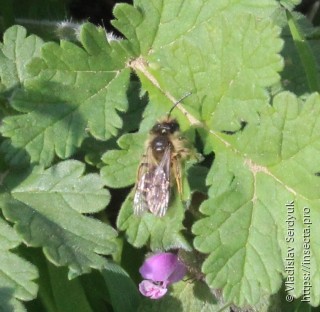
179	101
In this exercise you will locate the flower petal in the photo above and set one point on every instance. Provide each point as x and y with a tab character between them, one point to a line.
178	273
151	290
159	267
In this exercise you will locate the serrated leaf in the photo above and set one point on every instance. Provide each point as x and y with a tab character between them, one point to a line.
161	233
227	55
72	91
122	165
9	304
63	185
17	274
15	52
46	208
156	24
245	230
8	237
237	59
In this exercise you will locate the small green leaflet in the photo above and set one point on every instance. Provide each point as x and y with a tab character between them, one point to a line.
15	52
160	233
122	165
72	91
17	274
47	207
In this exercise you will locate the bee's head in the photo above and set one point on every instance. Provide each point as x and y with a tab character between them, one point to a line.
169	125
165	127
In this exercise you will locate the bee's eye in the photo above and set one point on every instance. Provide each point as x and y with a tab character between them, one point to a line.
156	128
165	128
174	126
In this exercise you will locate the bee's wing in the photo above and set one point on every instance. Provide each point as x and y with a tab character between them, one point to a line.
139	201
158	194
143	182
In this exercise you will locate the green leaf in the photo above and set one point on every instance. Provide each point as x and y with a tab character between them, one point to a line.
122	165
305	54
245	230
196	177
289	4
9	304
17	275
158	24
56	291
237	59
63	185
161	233
266	156
9	238
15	52
123	292
68	295
95	150
73	91
46	207
293	76
128	19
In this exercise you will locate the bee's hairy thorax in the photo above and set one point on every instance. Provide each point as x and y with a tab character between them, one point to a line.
162	133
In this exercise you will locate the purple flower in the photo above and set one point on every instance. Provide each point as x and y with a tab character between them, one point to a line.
159	271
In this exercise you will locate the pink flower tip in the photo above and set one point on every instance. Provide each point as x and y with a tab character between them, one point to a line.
152	290
159	271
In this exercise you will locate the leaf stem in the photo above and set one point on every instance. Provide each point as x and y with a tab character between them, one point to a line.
305	53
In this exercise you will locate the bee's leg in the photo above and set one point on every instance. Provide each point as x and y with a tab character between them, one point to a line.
184	153
176	168
181	146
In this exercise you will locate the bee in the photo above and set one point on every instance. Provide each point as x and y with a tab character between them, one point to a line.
160	167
